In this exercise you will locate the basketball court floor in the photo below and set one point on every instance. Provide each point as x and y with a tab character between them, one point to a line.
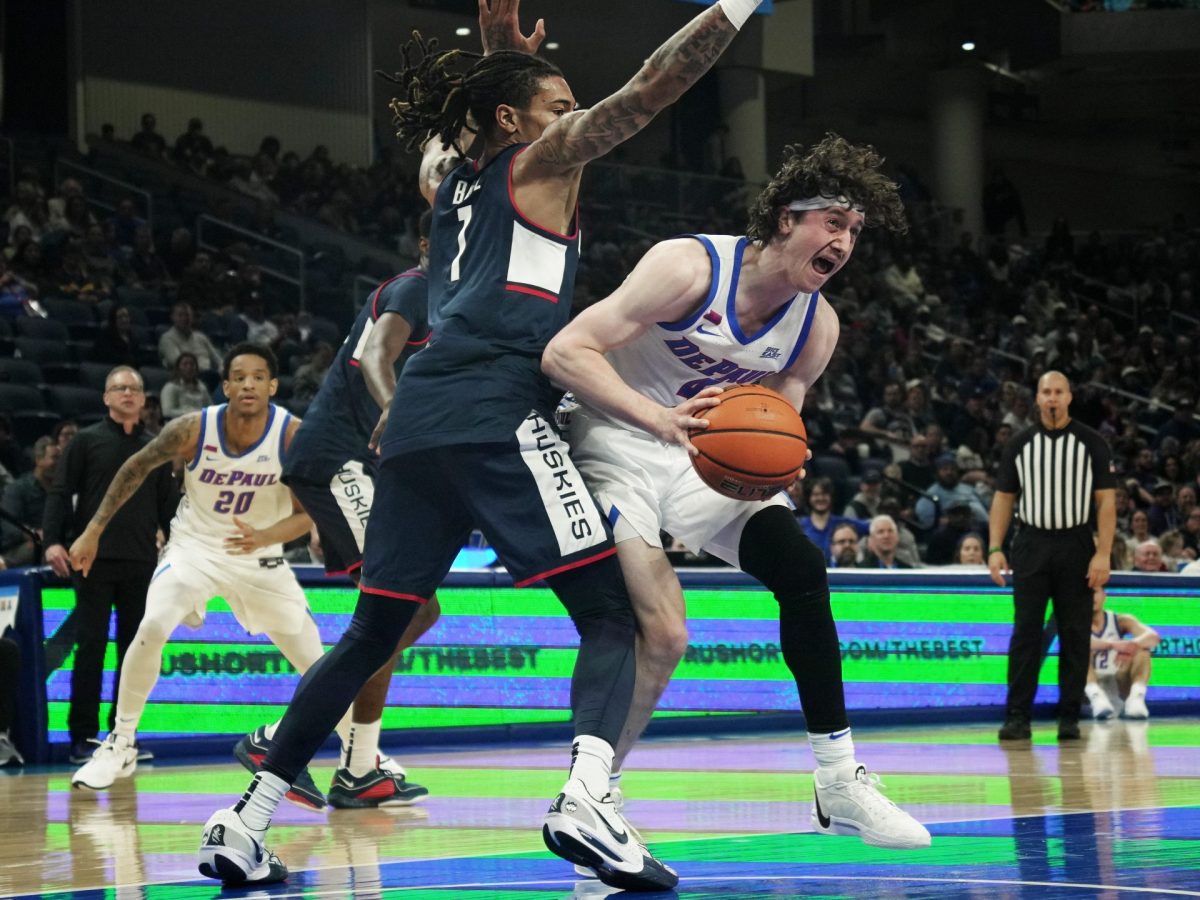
1114	815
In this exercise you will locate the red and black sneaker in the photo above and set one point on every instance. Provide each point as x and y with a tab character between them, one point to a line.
378	788
252	750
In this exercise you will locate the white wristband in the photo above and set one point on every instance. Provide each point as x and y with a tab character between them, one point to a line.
738	11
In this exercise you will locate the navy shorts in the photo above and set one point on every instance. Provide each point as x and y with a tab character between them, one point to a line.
524	494
340	510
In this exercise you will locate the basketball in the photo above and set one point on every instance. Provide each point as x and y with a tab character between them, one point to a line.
754	446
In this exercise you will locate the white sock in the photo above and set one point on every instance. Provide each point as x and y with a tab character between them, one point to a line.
591	764
260	801
833	749
614	781
1138	689
360	753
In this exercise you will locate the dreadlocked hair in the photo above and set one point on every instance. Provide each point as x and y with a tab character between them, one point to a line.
439	97
832	168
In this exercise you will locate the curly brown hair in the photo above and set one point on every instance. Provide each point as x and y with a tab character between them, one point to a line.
439	97
832	168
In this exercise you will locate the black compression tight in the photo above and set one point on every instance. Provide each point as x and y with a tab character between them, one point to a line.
775	550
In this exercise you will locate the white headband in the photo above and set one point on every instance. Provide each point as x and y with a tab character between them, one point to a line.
822	203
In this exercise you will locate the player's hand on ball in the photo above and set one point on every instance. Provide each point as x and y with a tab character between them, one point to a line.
245	540
676	422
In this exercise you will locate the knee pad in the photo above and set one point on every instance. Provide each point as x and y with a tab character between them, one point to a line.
776	551
379	622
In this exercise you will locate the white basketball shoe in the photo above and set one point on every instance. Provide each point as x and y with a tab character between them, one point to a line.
847	801
115	758
230	854
1135	706
593	834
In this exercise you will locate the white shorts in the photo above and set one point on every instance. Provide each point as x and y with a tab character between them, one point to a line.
645	486
262	599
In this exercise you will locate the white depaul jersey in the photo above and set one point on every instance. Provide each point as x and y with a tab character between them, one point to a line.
1105	661
218	485
672	361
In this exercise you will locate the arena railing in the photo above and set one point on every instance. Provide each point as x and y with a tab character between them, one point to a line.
271	253
104	191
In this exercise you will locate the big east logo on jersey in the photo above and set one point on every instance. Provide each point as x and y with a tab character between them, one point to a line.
463	190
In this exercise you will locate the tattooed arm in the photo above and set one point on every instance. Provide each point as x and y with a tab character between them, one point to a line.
580	137
177	441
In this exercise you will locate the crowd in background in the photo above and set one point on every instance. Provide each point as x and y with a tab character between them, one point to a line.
941	345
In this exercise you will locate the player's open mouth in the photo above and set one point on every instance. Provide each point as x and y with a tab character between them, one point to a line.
824	265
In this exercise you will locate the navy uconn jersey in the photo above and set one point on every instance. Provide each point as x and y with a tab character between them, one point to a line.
340	419
499	288
672	361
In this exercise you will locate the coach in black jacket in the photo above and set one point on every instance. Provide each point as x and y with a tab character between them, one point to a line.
1059	476
128	549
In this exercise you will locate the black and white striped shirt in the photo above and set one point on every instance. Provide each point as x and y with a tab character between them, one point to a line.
1055	475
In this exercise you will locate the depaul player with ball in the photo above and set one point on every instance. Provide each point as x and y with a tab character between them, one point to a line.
697	314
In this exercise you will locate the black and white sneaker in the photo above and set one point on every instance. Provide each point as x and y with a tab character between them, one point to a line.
377	788
251	750
593	834
230	854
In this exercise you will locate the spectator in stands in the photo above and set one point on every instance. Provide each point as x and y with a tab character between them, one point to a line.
1182	424
64	432
969	551
147	269
199	285
253	325
58	208
180	252
11	458
843	547
125	224
1148	557
311	374
1191	533
891	416
184	392
1144	477
99	256
882	543
865	504
918	469
193	142
183	337
75	279
116	343
149	141
955	524
820	521
1162	513
1002	204
29	264
28	209
1139	530
152	415
25	500
948	487
1174	552
17	298
902	281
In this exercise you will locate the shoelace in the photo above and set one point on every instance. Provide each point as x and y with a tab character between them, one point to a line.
866	790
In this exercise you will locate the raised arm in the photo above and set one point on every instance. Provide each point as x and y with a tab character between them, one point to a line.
177	441
579	137
668	282
500	28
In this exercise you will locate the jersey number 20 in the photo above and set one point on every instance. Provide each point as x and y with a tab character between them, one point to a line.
238	504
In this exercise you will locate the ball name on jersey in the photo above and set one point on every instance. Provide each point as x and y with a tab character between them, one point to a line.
717	371
237	477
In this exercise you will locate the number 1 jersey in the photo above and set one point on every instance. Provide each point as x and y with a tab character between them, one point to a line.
500	287
219	485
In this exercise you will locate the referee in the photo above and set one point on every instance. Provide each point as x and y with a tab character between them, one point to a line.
1058	476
